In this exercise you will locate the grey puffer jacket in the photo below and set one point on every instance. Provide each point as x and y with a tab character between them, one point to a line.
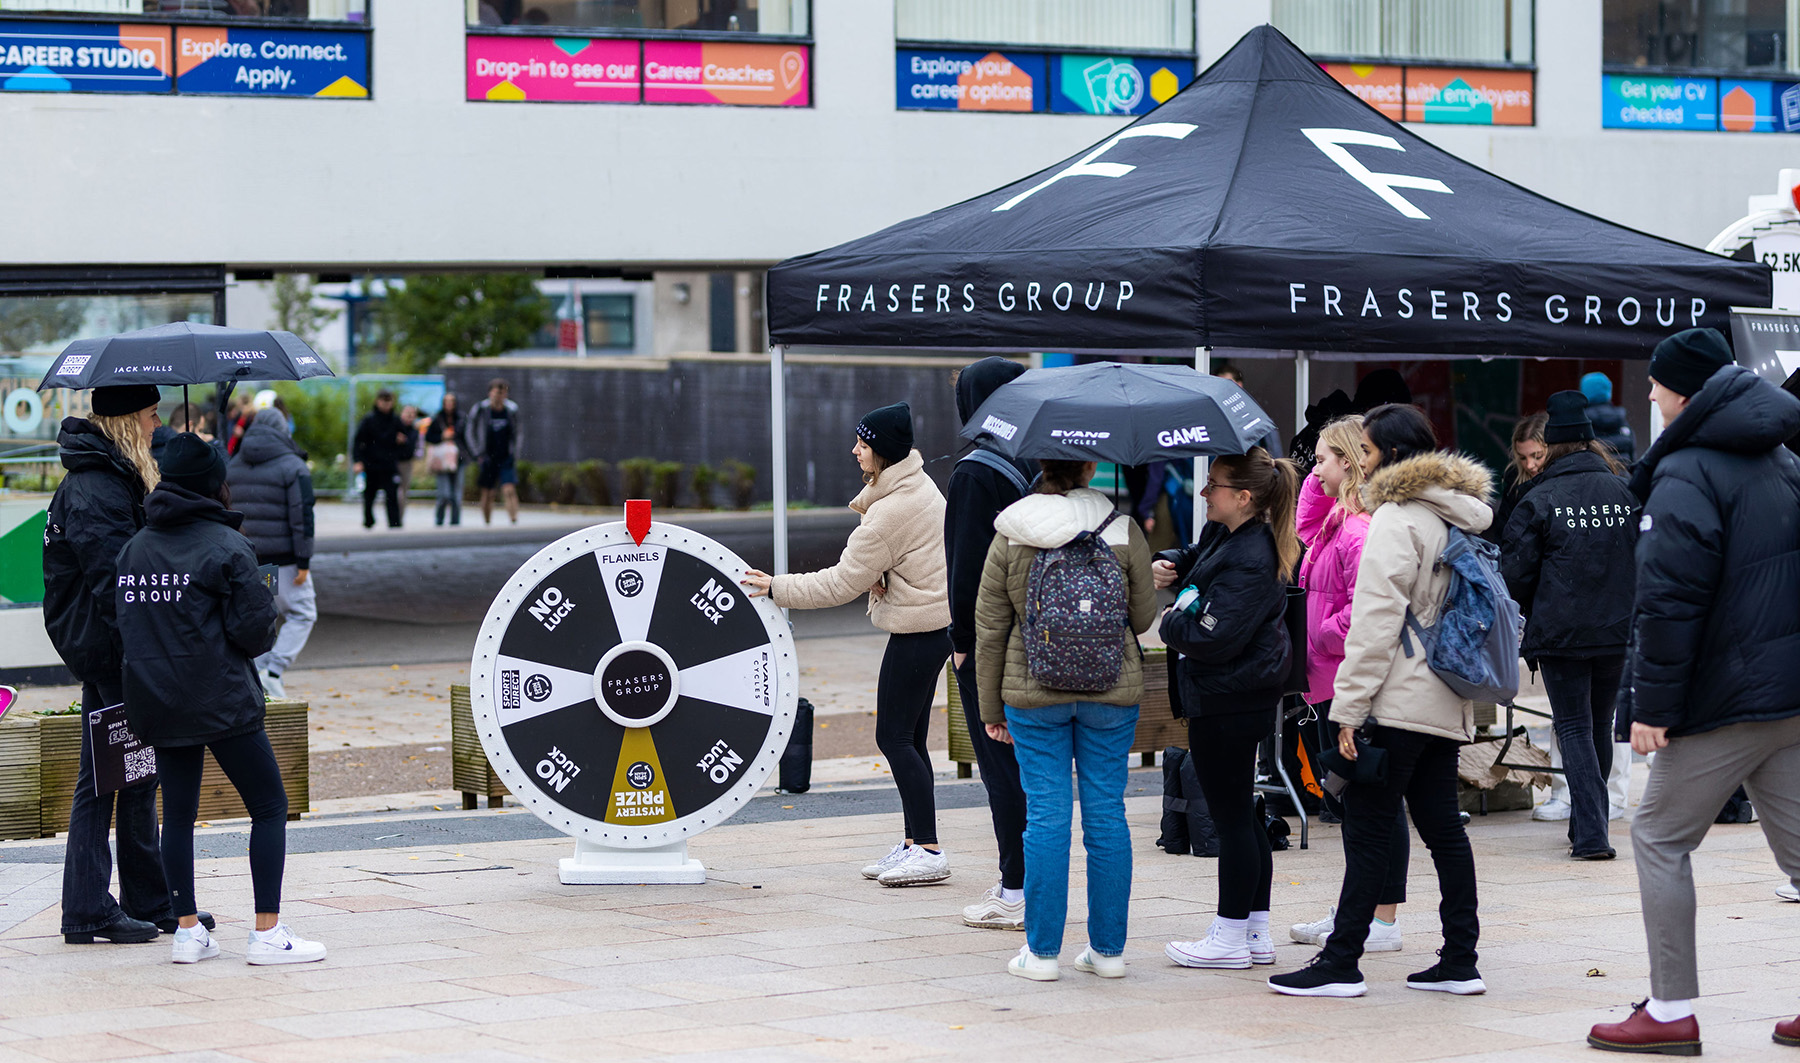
272	488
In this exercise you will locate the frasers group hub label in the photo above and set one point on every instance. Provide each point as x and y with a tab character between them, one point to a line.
83	57
233	61
972	81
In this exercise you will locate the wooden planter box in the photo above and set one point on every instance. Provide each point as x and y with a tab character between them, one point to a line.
470	771
1156	729
59	741
20	777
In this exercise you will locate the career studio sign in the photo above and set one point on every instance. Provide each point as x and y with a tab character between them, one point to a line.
83	57
234	61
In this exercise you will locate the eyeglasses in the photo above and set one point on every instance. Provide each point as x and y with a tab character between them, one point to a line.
1211	486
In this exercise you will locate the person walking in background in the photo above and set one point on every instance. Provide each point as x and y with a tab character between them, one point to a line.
272	487
1333	524
1227	625
1391	701
96	509
1567	559
377	448
1050	728
982	484
239	413
409	450
1611	427
1710	672
190	686
444	455
494	439
896	557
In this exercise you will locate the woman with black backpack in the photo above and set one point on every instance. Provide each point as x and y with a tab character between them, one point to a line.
1029	698
1227	625
1569	558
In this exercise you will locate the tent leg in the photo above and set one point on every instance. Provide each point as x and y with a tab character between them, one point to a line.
1202	364
1302	390
778	451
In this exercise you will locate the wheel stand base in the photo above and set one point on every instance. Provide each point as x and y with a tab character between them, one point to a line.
596	865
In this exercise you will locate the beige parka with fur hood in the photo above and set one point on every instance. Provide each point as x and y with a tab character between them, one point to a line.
1411	502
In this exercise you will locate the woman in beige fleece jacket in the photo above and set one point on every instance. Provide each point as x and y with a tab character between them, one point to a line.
896	557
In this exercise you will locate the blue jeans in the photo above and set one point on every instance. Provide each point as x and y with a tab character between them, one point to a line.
88	861
1097	739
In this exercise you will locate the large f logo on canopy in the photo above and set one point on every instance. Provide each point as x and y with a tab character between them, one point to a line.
1087	167
1332	141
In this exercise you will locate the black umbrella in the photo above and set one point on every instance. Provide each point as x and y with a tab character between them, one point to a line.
1110	411
184	353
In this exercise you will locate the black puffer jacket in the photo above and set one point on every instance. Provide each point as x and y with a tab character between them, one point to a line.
1234	646
381	442
272	488
1613	429
1717	633
1567	558
974	496
97	507
193	615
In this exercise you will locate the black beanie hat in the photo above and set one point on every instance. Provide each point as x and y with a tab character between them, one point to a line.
117	400
1685	361
191	462
888	431
1568	418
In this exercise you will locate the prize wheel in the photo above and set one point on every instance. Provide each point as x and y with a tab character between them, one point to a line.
630	693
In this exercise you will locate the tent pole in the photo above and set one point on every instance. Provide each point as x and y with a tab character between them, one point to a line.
778	451
1302	390
1202	364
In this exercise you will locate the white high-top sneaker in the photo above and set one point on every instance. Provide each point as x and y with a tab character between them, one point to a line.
1221	949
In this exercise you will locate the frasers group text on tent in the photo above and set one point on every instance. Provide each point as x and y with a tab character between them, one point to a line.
945	298
1439	304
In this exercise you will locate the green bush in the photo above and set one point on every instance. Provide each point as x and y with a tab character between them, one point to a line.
705	478
741	475
665	481
635	474
595	490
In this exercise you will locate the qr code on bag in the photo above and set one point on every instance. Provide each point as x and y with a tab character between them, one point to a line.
140	764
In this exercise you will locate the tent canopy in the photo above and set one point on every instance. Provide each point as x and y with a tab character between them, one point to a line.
1264	206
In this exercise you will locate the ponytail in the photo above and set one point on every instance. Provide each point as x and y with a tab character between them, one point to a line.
1274	486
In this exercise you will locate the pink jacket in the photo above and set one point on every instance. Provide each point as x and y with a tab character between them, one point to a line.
1334	544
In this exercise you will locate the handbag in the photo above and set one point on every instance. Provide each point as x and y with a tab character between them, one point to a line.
1295	619
441	457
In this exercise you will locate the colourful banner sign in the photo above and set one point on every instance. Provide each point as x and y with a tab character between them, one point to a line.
1468	96
234	61
970	81
1107	84
1629	102
558	69
746	75
1381	87
84	57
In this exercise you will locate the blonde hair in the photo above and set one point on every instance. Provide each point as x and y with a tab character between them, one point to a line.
1273	484
124	434
1528	430
1344	437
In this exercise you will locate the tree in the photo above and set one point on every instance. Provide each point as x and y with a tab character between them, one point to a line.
295	310
476	315
39	322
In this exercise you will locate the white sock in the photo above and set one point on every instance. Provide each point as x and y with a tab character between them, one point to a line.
1233	932
1011	896
1669	1010
1259	922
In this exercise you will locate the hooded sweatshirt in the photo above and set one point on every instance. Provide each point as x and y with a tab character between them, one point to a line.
1042	522
1411	505
974	497
272	488
97	507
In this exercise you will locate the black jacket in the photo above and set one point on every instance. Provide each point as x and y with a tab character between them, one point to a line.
974	497
97	507
1613	429
1567	559
272	487
1234	647
1512	489
1717	623
434	433
380	442
193	616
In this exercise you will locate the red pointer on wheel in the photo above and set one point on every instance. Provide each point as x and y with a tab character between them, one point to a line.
637	519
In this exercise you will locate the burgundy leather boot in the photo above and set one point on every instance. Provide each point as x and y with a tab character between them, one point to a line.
1641	1033
1788	1033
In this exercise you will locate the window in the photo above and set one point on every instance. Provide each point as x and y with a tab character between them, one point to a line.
1729	36
776	17
297	10
1467	31
1157	25
610	318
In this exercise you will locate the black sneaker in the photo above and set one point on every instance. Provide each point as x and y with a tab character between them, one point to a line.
1318	980
1439	978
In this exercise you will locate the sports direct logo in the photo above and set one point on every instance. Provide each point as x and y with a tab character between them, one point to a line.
73	364
1003	429
1176	437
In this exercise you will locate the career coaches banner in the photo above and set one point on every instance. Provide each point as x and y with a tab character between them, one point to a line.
552	69
83	57
234	61
746	75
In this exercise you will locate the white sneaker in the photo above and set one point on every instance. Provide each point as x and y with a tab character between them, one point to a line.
894	856
993	912
918	867
271	684
1615	811
1383	937
1262	947
1037	968
1214	952
1313	933
1104	966
1553	810
1789	892
280	945
193	945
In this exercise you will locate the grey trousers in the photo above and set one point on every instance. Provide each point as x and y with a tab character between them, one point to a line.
1689	782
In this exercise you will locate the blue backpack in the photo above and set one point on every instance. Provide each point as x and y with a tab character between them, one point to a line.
1473	646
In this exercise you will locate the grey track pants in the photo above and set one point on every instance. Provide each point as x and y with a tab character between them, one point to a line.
1689	782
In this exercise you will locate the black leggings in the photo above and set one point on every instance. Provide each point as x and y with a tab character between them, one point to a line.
1224	752
909	671
249	763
